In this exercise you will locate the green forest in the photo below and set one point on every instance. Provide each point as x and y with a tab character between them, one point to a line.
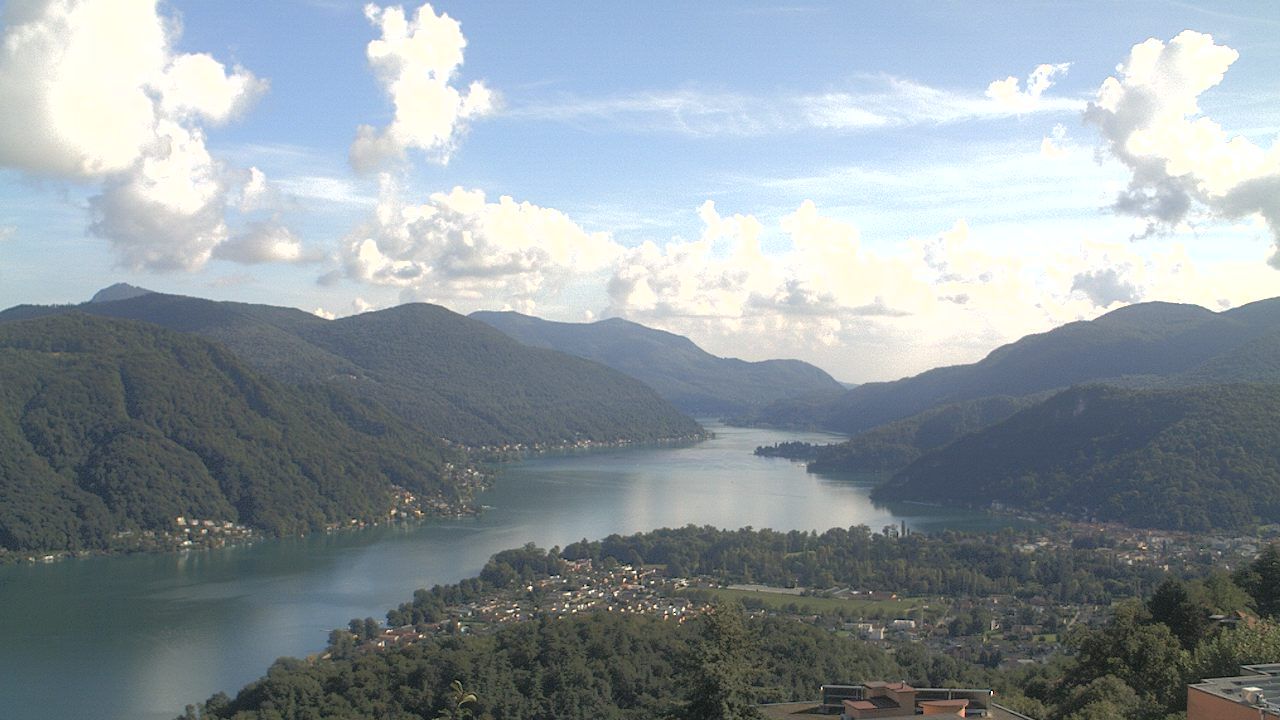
1205	458
895	445
443	373
111	429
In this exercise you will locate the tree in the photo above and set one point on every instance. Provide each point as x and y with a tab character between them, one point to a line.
1262	581
1172	605
457	702
1141	654
1224	653
1105	698
719	671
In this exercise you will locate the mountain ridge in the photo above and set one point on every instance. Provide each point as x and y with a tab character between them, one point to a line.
1196	458
677	368
481	388
1147	343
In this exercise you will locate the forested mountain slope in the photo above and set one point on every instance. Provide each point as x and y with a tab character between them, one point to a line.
112	426
691	378
1198	458
451	376
895	445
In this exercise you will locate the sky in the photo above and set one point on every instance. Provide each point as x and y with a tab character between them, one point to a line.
876	188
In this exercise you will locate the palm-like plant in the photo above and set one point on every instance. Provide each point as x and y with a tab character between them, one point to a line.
459	699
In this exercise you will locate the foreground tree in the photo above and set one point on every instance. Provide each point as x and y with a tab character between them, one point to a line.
719	673
1140	654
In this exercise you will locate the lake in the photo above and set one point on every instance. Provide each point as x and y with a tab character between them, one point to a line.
139	637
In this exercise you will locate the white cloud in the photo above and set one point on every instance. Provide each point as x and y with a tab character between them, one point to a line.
92	90
1009	94
87	84
891	311
198	85
1054	145
461	247
1182	163
7	232
326	189
167	213
265	241
416	61
872	102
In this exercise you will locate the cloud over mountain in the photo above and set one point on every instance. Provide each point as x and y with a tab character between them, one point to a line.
459	246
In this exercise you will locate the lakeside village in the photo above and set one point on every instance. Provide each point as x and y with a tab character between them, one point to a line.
995	630
191	533
466	480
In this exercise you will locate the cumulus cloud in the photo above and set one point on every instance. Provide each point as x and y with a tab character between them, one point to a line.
7	232
822	287
1182	163
93	91
416	61
1105	287
265	241
459	245
1010	95
87	85
879	311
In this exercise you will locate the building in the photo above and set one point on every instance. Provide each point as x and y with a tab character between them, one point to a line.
1253	695
897	700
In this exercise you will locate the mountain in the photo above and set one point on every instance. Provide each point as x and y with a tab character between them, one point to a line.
1199	458
683	373
110	428
448	375
895	445
119	291
1141	345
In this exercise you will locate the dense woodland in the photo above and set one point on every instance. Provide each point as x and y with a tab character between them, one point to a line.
897	444
691	378
607	665
1190	459
445	374
111	428
945	563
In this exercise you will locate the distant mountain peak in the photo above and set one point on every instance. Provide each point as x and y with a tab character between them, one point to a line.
119	291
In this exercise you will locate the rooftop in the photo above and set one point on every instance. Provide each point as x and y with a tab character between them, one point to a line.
1264	681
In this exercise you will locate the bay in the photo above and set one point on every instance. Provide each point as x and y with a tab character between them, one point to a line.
139	637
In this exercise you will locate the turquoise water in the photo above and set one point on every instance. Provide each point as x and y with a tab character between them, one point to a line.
140	637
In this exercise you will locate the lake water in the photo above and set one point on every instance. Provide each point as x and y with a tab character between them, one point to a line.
140	637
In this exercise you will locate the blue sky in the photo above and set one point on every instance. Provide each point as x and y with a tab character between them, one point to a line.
878	188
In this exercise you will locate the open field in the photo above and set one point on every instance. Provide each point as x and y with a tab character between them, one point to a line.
900	608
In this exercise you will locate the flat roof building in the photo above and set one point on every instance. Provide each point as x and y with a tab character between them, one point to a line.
1254	695
897	700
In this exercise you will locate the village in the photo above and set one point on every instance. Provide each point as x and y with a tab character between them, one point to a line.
1001	630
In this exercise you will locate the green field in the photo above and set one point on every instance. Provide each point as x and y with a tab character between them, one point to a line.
900	608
